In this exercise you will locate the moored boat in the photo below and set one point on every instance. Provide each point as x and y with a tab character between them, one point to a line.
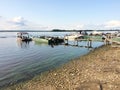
48	40
24	36
40	40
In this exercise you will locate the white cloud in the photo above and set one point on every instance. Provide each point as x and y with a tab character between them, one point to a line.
112	24
20	23
94	26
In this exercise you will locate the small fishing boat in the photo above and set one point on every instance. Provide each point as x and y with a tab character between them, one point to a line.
40	40
24	36
48	40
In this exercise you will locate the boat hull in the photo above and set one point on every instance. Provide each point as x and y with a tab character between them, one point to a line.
40	40
27	39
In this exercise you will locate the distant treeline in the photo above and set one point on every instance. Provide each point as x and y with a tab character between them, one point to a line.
59	30
54	30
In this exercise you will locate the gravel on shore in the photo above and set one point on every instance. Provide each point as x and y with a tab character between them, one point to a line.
98	70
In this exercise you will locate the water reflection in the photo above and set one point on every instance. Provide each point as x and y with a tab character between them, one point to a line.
44	44
23	44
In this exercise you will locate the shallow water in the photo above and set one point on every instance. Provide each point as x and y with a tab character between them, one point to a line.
23	60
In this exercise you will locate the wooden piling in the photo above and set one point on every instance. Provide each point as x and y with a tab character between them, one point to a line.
77	42
66	41
107	40
89	44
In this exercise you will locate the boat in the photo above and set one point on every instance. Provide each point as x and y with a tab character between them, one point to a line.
40	40
48	40
74	36
24	36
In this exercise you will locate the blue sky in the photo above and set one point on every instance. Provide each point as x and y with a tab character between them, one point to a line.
61	14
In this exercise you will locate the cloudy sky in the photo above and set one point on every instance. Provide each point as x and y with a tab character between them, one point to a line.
60	14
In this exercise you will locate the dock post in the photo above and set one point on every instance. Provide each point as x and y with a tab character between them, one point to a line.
77	42
89	43
66	40
74	42
107	39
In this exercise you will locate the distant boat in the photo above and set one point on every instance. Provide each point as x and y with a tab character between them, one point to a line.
24	36
74	36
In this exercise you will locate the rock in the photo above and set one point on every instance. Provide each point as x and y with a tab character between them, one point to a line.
55	74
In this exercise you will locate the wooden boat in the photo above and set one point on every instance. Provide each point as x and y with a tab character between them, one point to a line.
24	36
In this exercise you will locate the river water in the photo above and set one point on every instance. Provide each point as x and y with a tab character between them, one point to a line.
23	60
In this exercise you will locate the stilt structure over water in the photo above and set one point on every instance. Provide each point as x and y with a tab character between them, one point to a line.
77	40
109	39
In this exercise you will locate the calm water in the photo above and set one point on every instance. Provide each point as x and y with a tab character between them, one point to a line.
21	60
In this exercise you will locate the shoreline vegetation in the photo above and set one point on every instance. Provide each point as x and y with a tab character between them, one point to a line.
97	70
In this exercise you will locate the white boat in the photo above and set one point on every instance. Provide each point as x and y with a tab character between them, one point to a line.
74	36
24	36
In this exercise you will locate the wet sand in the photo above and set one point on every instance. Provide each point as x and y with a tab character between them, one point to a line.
98	70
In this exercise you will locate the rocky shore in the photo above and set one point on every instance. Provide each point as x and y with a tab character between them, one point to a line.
98	70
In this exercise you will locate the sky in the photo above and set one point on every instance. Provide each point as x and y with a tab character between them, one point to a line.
59	14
